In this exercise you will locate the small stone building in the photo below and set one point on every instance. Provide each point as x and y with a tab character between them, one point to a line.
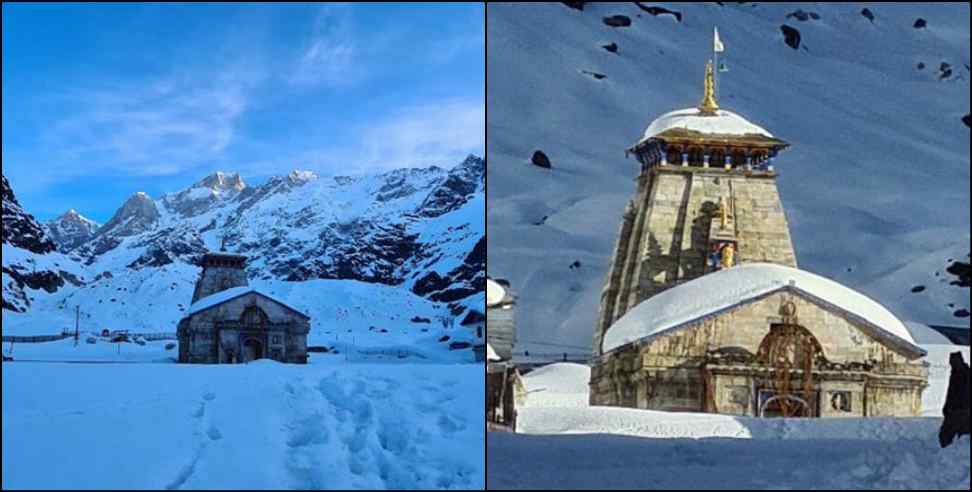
500	319
503	383
230	322
704	308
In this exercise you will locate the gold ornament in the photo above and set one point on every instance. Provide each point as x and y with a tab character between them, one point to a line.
709	105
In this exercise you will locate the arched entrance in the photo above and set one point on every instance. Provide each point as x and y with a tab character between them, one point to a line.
252	350
793	353
785	406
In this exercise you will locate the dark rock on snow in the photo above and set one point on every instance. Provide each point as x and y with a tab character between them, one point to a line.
618	21
791	36
540	159
803	16
656	11
597	76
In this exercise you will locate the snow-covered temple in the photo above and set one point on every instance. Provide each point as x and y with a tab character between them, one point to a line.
704	307
230	322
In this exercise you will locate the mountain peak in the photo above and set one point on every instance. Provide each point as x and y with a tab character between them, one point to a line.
300	177
73	216
71	230
222	181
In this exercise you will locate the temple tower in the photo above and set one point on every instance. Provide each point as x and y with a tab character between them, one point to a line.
706	199
220	272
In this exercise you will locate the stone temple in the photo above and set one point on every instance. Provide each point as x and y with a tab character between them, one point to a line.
230	322
704	308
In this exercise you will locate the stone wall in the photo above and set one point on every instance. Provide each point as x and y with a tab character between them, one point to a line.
669	371
217	279
198	341
501	330
664	235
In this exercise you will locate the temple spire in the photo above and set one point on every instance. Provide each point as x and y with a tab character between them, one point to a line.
709	104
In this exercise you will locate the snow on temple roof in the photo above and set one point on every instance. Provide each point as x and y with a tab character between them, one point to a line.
227	295
494	293
692	301
722	123
491	354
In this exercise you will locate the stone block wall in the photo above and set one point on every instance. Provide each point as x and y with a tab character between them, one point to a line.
663	238
668	372
199	343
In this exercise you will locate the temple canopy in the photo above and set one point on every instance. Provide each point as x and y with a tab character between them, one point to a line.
706	135
693	301
722	122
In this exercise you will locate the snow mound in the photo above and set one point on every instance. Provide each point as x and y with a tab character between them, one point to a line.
722	123
726	289
926	335
601	462
494	293
558	385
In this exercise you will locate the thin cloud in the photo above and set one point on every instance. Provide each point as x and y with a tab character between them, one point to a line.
329	56
416	136
157	128
427	134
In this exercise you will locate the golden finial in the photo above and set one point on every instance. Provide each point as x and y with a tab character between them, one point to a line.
709	104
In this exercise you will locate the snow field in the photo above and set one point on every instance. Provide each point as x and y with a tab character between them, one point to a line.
264	425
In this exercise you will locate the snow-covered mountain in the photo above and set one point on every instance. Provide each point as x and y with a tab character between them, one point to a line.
414	237
875	104
30	260
71	230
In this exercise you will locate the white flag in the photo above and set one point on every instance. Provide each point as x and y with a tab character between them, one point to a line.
717	45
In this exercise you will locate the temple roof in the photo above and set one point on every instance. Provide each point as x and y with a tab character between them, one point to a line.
222	297
708	122
495	294
721	123
716	293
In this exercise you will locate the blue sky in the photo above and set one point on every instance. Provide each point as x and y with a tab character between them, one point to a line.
101	101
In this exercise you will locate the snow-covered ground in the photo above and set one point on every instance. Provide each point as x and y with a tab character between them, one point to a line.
565	443
638	463
328	425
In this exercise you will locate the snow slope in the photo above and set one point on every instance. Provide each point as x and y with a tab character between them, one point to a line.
329	425
879	164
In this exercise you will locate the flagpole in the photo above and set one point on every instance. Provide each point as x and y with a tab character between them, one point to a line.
715	63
